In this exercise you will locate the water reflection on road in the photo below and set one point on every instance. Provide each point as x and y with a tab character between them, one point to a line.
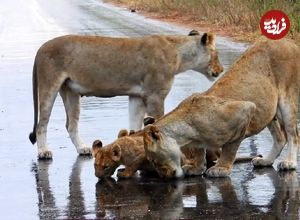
261	194
66	188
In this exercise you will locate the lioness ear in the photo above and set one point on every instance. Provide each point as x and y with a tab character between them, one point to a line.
97	144
151	136
193	33
149	120
116	152
208	39
123	133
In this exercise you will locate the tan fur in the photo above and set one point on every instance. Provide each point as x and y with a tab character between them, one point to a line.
132	156
260	89
141	68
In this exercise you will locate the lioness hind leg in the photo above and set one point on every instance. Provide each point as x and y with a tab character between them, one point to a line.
46	100
155	106
137	111
279	141
288	109
71	102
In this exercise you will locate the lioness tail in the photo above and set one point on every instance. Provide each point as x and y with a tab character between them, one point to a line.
32	135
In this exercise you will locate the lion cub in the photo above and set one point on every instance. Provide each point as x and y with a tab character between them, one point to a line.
127	150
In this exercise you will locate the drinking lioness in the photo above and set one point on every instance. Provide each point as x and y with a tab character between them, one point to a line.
260	89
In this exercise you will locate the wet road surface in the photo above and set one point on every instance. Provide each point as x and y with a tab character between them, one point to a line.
66	188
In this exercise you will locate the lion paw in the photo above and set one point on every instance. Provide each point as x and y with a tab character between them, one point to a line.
287	165
190	170
123	174
45	155
217	171
85	151
260	162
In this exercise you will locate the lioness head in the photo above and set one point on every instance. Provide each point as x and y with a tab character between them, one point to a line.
166	161
107	159
208	61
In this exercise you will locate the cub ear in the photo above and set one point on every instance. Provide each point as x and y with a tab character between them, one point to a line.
193	33
116	153
97	144
149	120
123	133
208	39
151	137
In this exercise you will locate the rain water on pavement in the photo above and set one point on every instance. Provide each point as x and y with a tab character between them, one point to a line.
65	187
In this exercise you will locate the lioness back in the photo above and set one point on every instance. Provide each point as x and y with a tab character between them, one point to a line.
102	51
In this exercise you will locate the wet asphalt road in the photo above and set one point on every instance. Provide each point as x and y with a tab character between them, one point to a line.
66	186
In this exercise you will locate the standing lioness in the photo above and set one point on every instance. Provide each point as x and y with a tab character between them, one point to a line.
141	68
260	89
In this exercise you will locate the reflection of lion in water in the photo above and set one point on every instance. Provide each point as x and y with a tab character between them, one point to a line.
141	68
260	89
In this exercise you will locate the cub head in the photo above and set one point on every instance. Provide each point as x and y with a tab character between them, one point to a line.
207	59
107	159
162	153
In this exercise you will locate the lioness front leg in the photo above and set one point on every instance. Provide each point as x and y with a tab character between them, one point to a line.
279	140
71	102
137	111
224	164
194	162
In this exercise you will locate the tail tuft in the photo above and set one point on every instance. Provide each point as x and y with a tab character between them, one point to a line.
32	137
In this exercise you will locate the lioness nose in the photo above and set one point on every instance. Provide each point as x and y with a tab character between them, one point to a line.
215	74
99	174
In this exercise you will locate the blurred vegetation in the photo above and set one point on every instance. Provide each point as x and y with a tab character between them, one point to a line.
243	15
